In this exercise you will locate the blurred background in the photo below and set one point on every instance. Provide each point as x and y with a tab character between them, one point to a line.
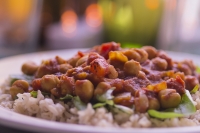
38	25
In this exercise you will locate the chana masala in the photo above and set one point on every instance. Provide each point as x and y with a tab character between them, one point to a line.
124	83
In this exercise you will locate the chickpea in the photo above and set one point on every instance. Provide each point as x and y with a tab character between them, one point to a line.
190	82
19	86
141	75
164	56
82	60
112	73
64	67
190	64
49	82
81	75
101	88
132	67
141	103
95	79
117	64
117	83
29	68
132	54
72	61
84	89
161	64
86	68
154	104
73	71
55	92
152	52
14	91
169	98
36	84
43	70
185	69
143	54
67	85
60	60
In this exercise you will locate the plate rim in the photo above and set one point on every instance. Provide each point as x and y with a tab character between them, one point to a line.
33	124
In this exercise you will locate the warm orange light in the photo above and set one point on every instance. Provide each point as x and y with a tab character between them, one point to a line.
152	4
19	10
93	15
69	21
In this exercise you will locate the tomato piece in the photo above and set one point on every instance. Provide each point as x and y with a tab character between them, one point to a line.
92	56
99	67
176	83
81	54
36	84
107	47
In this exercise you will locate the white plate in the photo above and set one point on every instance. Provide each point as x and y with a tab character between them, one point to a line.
12	65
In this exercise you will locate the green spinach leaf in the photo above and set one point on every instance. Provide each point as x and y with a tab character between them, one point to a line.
67	97
185	108
106	96
21	77
78	103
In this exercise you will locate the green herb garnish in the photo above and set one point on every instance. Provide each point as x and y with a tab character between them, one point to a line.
34	94
163	115
198	69
107	102
76	101
98	105
195	89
